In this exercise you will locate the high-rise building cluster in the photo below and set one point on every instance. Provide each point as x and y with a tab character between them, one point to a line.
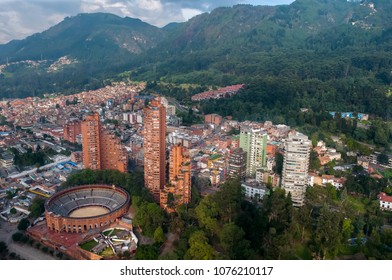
101	149
295	167
178	188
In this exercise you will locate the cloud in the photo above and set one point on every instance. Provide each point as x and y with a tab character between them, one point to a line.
21	18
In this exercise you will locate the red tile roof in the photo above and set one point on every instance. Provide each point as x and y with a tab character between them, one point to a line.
384	197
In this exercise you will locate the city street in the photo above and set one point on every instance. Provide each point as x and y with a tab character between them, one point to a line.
25	251
27	172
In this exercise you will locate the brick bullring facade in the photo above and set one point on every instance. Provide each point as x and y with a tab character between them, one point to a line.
61	204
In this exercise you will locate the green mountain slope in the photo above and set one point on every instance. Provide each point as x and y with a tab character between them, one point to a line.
315	45
86	36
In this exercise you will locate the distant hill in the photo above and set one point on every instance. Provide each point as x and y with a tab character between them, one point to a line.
333	42
86	36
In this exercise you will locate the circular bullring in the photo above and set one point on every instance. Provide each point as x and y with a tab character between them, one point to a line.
83	208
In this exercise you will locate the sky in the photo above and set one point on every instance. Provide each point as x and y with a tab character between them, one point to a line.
21	18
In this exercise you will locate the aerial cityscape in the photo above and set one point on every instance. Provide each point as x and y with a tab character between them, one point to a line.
245	133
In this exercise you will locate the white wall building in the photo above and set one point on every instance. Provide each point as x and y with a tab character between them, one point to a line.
385	201
295	167
254	189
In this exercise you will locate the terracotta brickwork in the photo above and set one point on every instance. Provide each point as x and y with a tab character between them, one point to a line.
179	179
101	149
71	130
63	223
154	134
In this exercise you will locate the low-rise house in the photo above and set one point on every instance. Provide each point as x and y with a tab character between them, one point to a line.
254	189
385	201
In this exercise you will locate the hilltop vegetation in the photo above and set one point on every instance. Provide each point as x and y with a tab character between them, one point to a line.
333	224
317	54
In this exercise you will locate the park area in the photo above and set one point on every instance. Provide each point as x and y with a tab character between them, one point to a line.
112	242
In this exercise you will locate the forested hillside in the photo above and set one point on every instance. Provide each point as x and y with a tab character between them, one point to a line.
317	54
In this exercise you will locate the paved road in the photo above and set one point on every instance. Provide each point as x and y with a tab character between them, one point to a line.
28	252
177	104
6	231
25	251
24	173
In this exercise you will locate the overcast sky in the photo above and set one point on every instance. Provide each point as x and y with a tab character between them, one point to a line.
22	18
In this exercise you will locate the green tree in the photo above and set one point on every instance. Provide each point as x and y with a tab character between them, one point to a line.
327	235
228	200
23	224
136	202
383	159
159	236
347	229
169	256
37	207
147	252
232	240
314	162
381	135
277	210
207	214
199	248
149	217
331	191
3	248
278	163
17	236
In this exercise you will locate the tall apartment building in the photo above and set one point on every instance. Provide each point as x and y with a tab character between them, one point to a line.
179	179
254	143
101	150
71	130
154	135
213	118
295	167
237	164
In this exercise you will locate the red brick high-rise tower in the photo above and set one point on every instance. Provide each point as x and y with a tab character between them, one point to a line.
155	147
71	130
101	150
179	179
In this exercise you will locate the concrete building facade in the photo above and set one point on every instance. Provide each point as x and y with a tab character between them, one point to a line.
254	143
295	167
237	164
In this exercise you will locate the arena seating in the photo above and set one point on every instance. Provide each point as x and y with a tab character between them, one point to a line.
69	201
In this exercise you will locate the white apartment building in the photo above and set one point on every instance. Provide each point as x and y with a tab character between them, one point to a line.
295	167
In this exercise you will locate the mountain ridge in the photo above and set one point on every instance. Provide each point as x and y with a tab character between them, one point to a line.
63	38
332	41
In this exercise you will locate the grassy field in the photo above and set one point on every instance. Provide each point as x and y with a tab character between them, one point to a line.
89	245
107	232
107	252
